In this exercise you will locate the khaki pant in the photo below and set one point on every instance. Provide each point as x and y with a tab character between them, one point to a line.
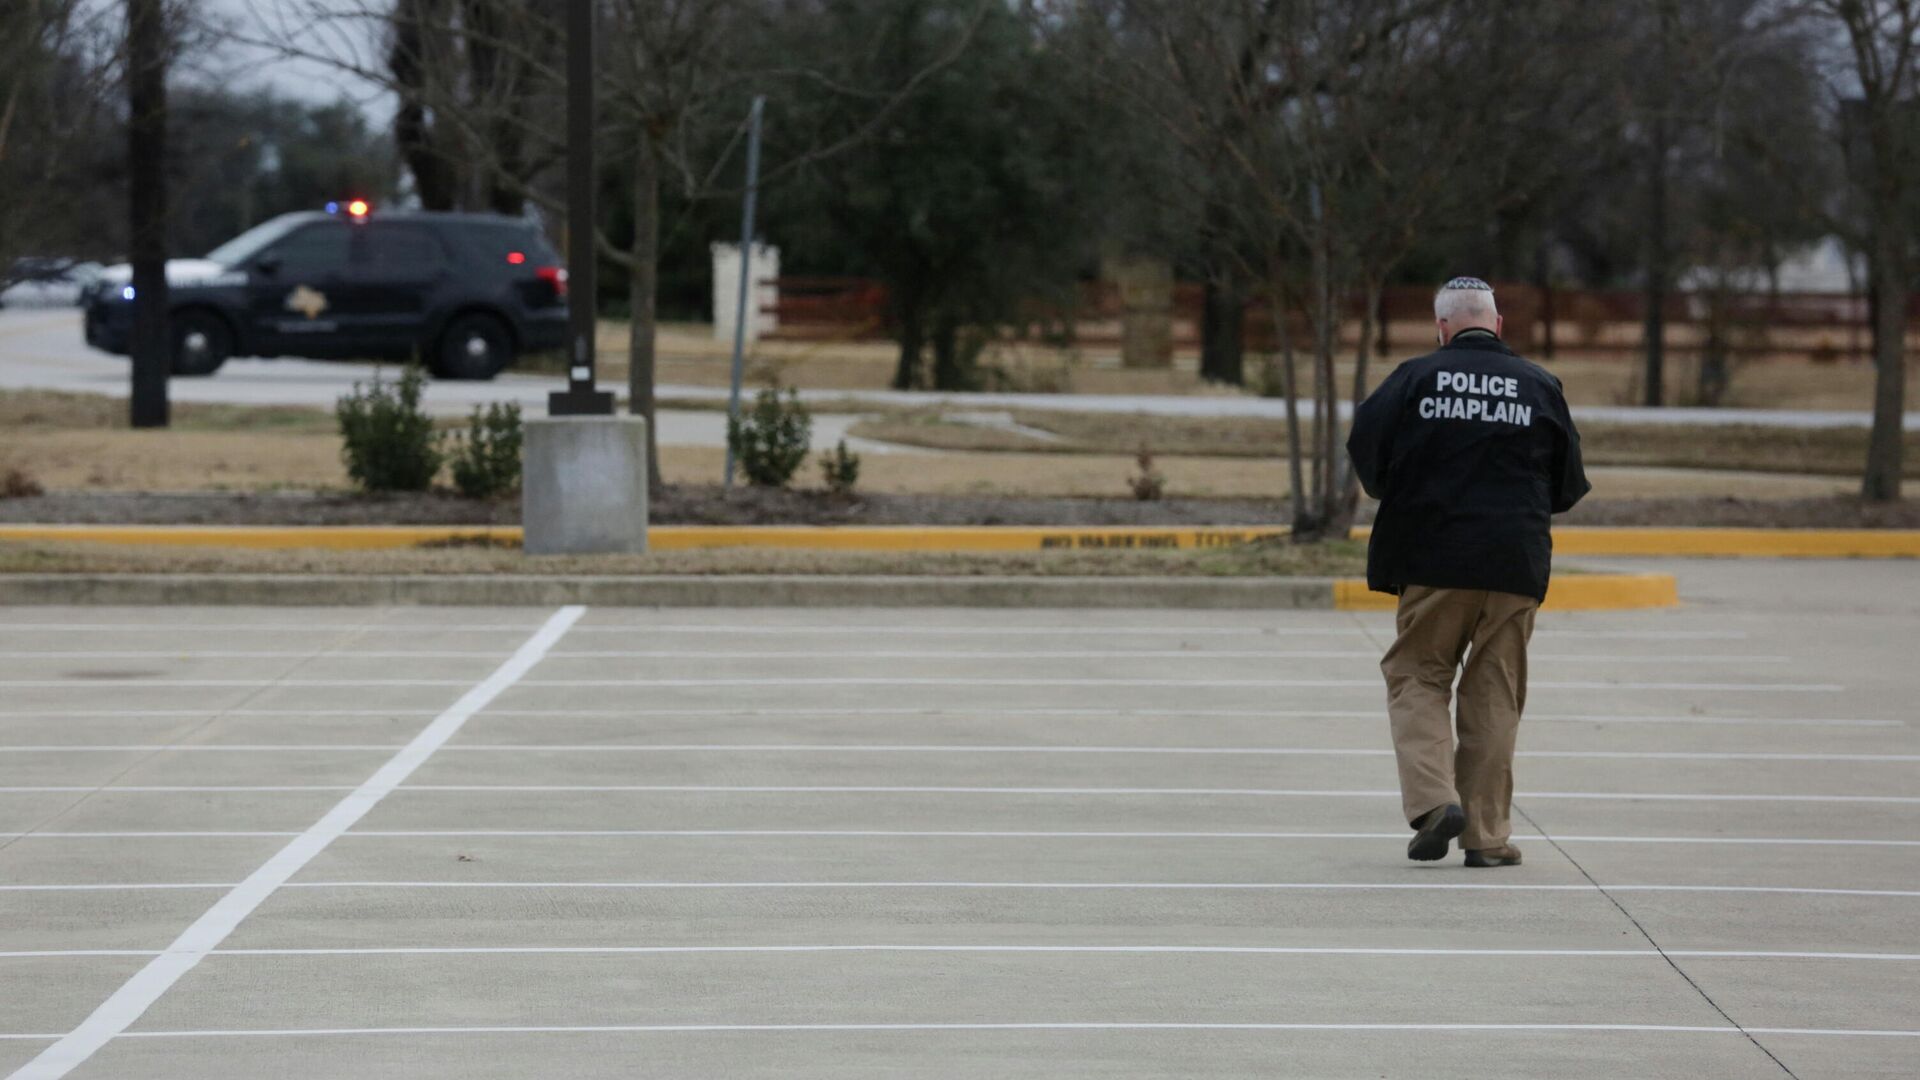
1437	627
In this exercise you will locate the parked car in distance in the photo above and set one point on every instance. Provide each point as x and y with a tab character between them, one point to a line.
464	293
43	281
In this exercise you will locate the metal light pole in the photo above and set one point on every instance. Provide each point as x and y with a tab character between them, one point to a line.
741	312
152	341
580	398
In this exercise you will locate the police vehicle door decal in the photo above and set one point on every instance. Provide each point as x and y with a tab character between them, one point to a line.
310	302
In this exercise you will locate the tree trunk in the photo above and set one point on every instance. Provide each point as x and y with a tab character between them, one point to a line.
1715	374
1349	496
433	175
1885	445
1543	282
1223	320
906	373
151	346
642	287
1326	418
489	68
947	370
1290	389
1657	259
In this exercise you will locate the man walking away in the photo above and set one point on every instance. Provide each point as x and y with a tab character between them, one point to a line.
1470	451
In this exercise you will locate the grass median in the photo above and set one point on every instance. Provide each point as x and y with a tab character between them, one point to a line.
1261	559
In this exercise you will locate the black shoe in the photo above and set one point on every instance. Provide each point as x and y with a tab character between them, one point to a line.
1504	855
1435	830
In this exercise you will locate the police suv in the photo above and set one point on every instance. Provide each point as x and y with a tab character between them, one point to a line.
465	293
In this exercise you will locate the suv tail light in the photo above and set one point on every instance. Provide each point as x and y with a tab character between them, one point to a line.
555	276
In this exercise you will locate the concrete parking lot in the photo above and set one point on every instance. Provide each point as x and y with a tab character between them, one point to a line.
756	843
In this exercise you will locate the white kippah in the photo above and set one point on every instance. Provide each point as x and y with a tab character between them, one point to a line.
1472	283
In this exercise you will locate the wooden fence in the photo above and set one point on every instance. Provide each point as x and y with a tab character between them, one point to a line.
1546	322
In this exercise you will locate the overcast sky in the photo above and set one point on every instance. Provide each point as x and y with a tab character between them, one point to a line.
249	67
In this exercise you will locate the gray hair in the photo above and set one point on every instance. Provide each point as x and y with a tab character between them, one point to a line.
1465	299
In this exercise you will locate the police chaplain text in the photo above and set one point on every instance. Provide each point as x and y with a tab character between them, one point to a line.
1473	408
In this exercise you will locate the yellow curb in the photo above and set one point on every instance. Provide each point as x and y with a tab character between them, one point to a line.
1764	543
667	537
1728	542
1567	592
956	538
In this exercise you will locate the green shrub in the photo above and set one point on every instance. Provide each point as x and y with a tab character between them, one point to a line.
841	469
388	443
1149	485
771	440
486	461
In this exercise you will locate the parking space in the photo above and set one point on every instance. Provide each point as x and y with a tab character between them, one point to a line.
483	843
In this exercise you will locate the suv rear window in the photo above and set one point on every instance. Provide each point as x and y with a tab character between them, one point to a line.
317	248
496	242
399	246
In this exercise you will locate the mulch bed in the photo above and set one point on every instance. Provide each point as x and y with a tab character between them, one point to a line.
698	505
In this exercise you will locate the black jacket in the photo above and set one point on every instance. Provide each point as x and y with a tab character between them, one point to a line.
1470	451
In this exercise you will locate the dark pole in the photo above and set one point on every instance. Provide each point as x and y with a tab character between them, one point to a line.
745	309
580	398
150	348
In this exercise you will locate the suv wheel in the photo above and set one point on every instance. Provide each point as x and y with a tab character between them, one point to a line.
201	343
474	346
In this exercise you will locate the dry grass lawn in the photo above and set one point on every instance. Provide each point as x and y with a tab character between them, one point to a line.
81	443
1813	451
1335	559
688	354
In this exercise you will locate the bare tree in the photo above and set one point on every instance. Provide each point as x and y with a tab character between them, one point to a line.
58	169
674	79
1881	129
1332	135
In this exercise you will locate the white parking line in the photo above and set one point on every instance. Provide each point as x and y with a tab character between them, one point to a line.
1114	713
128	1003
663	1029
926	748
138	886
201	714
1184	684
165	789
857	789
147	682
203	748
1369	655
301	628
989	834
916	629
1199	950
176	834
1096	950
1043	886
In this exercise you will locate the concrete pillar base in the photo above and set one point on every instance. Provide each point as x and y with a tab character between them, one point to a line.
584	485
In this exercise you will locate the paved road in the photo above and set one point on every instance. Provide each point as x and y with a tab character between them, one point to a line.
43	350
829	844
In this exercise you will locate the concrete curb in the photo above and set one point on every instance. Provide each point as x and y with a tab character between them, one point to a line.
1568	540
1579	592
526	590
